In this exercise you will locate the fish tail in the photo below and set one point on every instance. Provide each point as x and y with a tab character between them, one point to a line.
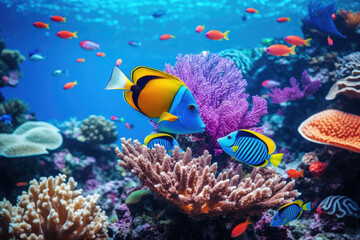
302	173
64	20
75	82
172	36
306	207
289	19
118	80
307	42
47	26
292	50
98	45
275	159
249	221
226	35
256	11
75	34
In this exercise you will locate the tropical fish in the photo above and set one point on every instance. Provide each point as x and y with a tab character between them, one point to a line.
280	50
67	34
118	62
80	60
267	41
283	19
298	41
135	43
330	41
6	118
32	52
199	28
70	85
58	72
240	228
89	45
252	10
116	119
129	126
22	184
41	25
161	97
100	54
251	148
292	173
162	139
270	83
217	35
333	16
58	19
289	212
37	57
159	13
166	36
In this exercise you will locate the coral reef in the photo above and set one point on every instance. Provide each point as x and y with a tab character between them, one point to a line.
348	63
340	206
317	169
29	139
96	129
308	88
53	209
17	110
352	19
243	62
191	186
309	158
333	127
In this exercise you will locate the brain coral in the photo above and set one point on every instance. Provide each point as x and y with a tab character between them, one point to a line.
333	127
97	129
340	206
53	209
31	138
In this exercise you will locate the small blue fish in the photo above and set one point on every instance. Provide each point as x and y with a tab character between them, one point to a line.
6	118
135	43
32	52
162	139
251	148
289	212
159	13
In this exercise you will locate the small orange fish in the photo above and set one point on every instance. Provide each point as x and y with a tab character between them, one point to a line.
70	85
283	19
217	35
127	125
80	60
166	36
41	25
239	229
100	54
66	34
199	28
118	62
330	41
298	41
333	16
58	19
292	173
21	184
252	10
280	50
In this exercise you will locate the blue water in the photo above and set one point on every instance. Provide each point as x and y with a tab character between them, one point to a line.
113	24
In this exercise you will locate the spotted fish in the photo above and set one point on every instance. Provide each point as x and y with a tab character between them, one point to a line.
162	139
289	212
251	148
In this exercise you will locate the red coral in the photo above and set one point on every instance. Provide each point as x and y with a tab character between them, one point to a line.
317	169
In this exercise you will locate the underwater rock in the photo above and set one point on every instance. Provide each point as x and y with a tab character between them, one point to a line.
309	158
29	139
96	129
264	231
16	109
53	209
317	169
340	206
9	66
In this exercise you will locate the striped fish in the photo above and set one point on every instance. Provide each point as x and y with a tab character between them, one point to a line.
251	148
289	212
340	206
162	139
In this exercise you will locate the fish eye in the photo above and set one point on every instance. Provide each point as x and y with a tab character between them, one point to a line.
234	234
191	107
229	137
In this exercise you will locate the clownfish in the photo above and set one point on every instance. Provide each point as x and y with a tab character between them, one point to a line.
161	97
162	139
289	212
251	148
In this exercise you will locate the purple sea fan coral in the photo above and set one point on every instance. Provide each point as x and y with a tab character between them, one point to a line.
308	88
219	90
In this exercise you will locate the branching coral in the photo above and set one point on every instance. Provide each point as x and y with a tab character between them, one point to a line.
190	183
53	209
96	129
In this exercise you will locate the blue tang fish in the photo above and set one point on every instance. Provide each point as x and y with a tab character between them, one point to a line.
289	212
161	97
162	139
6	118
251	148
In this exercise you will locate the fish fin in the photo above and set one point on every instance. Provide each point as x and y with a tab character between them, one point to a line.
275	159
226	35
118	80
235	148
47	26
286	54
166	116
257	11
172	36
64	19
140	72
262	165
299	215
75	82
75	34
289	19
249	221
98	45
302	173
268	141
155	135
306	207
292	50
307	42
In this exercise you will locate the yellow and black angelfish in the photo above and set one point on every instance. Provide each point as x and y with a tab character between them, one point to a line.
160	96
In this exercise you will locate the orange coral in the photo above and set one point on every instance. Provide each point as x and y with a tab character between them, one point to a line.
352	19
333	127
317	169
